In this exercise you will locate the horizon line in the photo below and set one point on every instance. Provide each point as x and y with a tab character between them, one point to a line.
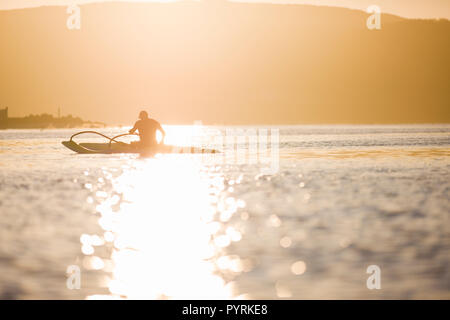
51	3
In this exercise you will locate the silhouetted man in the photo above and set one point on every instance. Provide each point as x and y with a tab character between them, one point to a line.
147	130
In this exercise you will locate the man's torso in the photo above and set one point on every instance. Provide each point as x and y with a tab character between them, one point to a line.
147	130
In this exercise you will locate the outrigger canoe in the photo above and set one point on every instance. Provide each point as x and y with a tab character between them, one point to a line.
114	146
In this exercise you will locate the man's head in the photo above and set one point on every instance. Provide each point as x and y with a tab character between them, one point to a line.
143	115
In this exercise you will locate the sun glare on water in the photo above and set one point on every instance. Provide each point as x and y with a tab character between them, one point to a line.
159	220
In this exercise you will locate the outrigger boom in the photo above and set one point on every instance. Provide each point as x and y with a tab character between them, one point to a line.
114	146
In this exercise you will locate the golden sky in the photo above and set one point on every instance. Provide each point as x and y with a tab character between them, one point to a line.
405	8
244	64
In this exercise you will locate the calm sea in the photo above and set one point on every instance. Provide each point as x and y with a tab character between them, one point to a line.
302	218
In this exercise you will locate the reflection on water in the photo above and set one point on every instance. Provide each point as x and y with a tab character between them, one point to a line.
369	153
344	198
160	221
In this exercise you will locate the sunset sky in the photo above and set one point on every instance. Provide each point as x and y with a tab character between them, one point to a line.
227	64
405	8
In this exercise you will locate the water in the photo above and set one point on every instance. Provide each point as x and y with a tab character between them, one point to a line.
342	198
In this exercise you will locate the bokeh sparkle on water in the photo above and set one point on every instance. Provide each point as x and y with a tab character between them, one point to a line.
344	198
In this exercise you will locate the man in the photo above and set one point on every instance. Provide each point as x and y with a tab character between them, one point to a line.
147	130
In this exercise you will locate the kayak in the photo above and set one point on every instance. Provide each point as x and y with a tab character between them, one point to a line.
114	146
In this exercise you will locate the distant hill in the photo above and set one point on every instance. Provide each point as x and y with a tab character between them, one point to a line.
44	121
230	63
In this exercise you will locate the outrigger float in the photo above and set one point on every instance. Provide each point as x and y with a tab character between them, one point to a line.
114	146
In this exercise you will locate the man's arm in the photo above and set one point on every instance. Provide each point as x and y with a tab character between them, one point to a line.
133	130
162	132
